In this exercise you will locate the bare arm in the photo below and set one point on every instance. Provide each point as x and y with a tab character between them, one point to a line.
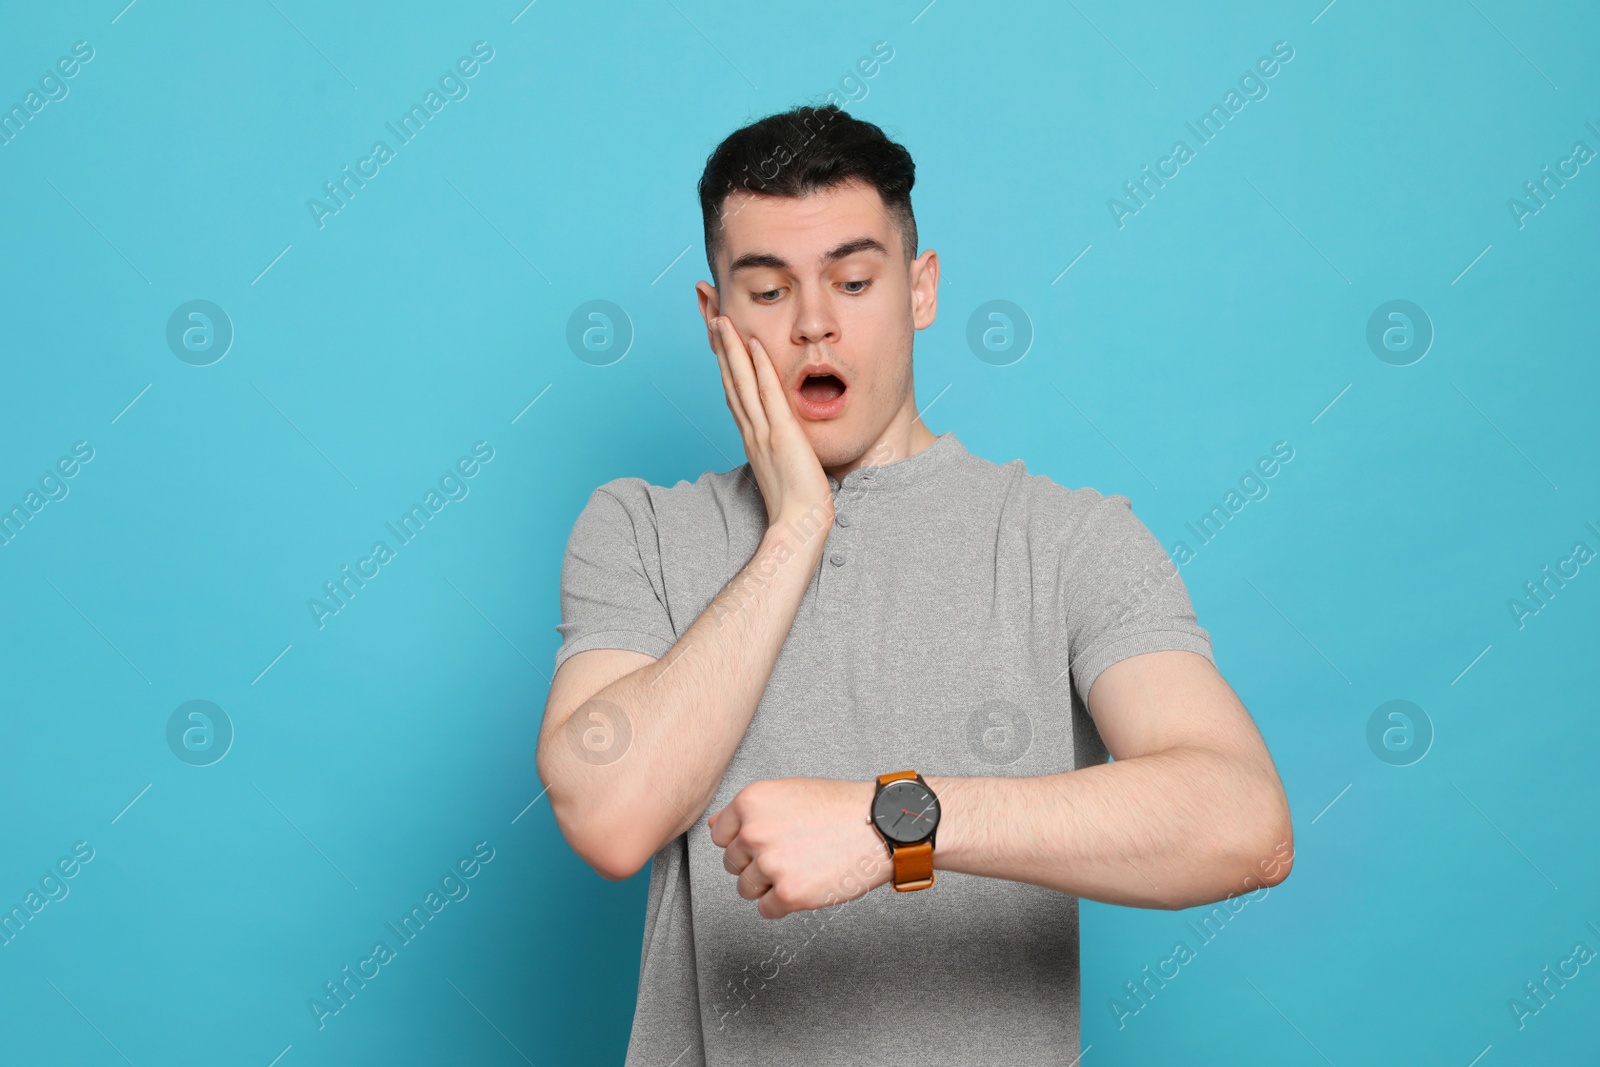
675	722
1190	811
664	730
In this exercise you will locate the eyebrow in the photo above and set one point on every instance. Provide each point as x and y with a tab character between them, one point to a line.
766	259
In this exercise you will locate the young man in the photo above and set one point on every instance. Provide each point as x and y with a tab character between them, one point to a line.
869	658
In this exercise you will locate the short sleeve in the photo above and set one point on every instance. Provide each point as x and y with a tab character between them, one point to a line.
1124	595
609	596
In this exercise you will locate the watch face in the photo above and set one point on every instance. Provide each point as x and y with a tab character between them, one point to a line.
905	811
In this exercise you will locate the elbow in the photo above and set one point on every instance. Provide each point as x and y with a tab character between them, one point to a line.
1246	855
609	841
1257	865
614	865
1285	865
610	854
1284	853
1251	872
1272	856
1267	855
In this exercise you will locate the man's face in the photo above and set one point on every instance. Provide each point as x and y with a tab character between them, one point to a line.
822	281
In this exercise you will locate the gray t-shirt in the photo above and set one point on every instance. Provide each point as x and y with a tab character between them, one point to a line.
960	613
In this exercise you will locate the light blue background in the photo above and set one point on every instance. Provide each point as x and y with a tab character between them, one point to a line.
371	754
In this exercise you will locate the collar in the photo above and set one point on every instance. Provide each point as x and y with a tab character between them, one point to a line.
919	467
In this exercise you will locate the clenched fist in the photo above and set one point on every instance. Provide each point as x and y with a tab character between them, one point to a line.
798	844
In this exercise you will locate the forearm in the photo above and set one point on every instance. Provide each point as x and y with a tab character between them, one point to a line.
1168	830
687	711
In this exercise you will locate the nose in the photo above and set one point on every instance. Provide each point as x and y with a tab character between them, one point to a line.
814	321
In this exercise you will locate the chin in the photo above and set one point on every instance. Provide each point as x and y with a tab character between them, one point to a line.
832	446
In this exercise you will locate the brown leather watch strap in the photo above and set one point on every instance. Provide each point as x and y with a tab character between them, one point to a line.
913	864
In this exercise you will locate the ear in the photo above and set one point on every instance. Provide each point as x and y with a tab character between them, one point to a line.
710	301
925	289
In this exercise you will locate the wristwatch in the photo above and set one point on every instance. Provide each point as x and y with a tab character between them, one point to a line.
906	813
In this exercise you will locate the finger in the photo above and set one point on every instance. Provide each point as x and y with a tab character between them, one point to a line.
744	377
736	858
768	906
730	391
725	827
773	398
752	883
737	359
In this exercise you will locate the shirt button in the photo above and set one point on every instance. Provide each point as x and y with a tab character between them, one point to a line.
837	559
843	520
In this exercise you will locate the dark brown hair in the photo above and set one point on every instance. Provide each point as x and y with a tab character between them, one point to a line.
799	152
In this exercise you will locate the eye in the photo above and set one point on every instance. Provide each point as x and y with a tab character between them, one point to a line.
770	292
858	292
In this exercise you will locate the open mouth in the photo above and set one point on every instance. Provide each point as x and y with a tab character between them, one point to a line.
822	388
820	394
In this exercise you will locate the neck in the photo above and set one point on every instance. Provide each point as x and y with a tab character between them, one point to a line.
905	436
